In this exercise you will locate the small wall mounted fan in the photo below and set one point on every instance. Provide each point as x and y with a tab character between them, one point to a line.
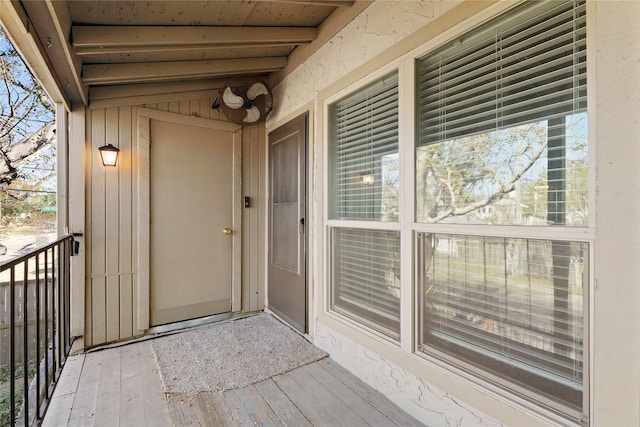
245	105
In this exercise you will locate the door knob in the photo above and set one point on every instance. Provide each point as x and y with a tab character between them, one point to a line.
227	231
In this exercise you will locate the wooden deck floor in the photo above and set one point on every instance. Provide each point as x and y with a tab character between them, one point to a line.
122	386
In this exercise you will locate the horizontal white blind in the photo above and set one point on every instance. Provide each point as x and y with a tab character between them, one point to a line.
529	66
366	277
513	307
364	138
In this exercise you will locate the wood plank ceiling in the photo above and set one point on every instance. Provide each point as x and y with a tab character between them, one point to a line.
92	43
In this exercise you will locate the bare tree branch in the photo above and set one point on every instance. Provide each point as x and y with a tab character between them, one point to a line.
501	192
27	122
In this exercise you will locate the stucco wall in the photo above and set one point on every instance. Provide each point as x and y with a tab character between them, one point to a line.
383	33
379	27
615	127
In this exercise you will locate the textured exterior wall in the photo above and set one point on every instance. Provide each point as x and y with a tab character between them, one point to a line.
426	402
615	127
379	27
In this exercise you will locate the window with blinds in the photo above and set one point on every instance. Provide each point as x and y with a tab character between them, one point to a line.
366	277
502	140
502	125
364	162
364	186
512	307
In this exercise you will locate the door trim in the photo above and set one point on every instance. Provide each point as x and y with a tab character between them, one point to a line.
141	172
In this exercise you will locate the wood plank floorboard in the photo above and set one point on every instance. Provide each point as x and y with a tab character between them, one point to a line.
131	387
107	411
374	397
231	406
325	398
121	386
65	393
156	412
283	407
84	404
369	413
304	399
197	409
257	407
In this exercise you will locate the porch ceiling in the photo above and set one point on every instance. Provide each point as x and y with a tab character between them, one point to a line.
88	43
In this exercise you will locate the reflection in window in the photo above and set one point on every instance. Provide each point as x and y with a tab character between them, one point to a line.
501	139
532	174
511	307
390	196
502	123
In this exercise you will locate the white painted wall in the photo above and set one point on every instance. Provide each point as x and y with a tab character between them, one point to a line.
382	34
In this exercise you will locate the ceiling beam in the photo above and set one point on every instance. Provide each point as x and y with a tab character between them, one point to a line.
51	22
86	37
152	93
21	31
100	74
68	64
119	50
333	3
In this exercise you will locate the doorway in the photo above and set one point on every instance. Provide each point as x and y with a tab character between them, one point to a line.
287	261
191	221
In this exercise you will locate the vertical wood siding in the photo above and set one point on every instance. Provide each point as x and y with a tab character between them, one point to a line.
111	215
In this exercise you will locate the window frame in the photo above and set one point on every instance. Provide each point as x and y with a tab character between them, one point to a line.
582	234
329	224
404	61
509	387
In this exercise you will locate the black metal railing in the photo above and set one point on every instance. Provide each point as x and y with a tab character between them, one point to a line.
35	336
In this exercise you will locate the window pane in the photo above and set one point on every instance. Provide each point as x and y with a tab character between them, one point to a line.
502	125
511	307
366	277
532	174
363	158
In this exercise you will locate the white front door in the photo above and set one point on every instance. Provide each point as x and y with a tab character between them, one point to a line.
191	215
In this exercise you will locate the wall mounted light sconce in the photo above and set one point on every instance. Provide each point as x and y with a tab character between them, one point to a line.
367	179
109	154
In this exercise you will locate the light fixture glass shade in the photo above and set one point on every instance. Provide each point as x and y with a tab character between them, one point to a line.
109	154
368	179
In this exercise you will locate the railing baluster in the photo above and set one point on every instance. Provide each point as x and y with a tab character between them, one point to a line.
12	343
52	303
25	342
46	326
38	345
54	326
59	316
67	290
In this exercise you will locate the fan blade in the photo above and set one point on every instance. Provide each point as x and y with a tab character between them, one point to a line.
232	100
216	103
256	90
253	114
